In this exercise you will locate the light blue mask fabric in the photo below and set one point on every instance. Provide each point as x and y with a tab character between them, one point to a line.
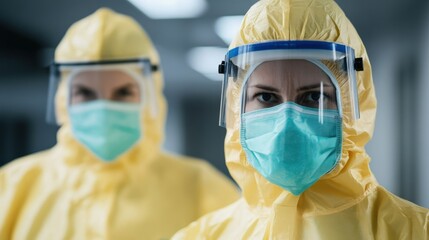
107	129
289	146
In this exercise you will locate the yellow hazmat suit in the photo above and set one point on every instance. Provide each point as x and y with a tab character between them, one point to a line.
346	203
67	193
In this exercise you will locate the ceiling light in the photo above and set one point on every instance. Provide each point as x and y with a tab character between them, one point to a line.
206	60
164	9
227	27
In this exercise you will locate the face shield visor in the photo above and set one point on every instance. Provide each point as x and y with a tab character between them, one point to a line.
318	77
127	82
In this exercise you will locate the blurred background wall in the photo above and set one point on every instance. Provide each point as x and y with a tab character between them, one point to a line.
395	33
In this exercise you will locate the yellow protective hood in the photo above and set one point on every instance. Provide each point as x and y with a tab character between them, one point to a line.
67	193
107	35
346	203
351	178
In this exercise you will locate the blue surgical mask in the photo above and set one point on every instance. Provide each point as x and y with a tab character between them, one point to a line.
290	146
107	129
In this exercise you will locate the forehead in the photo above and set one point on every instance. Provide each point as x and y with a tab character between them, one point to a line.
109	77
288	71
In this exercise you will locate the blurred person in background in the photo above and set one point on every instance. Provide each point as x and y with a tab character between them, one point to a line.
299	106
107	177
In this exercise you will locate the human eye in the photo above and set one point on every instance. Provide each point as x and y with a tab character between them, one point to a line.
267	99
260	96
83	94
313	99
126	94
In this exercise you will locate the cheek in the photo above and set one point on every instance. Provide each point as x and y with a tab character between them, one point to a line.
332	105
138	95
75	100
135	99
251	106
133	96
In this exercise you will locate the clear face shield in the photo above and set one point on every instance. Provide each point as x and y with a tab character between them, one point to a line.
291	98
311	75
116	81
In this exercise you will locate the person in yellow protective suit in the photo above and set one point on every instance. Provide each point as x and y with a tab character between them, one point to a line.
299	106
107	177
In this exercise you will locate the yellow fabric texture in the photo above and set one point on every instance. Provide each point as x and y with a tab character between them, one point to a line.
66	193
347	203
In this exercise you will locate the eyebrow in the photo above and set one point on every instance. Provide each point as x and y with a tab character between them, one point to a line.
313	86
128	85
78	85
265	87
